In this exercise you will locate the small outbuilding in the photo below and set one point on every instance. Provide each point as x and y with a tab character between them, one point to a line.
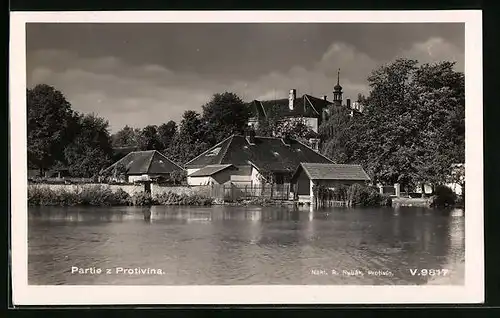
142	166
330	175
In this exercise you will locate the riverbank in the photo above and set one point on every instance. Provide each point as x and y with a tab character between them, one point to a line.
104	195
411	202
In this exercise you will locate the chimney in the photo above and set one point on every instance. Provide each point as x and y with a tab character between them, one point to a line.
348	103
291	98
324	97
250	135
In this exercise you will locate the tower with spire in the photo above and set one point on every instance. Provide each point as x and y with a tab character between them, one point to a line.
337	92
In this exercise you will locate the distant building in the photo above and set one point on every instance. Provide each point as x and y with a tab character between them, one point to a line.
330	175
311	110
142	166
250	161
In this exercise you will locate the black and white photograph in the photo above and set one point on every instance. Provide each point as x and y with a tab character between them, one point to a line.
240	153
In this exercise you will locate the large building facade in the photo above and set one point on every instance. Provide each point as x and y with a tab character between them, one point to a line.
311	110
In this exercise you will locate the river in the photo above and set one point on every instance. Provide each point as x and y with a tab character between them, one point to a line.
226	245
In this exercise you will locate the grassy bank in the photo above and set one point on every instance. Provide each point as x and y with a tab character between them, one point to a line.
102	195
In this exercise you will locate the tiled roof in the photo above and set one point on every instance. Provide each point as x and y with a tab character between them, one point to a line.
209	170
330	171
266	153
304	106
146	162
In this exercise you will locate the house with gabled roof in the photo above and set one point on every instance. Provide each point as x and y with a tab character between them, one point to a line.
312	110
142	166
249	160
330	175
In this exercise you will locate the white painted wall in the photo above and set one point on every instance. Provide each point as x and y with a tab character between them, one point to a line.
255	177
144	177
196	181
312	123
190	179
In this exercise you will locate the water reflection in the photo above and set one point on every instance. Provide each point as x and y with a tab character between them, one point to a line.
243	245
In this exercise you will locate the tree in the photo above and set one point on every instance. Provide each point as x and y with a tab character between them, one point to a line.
189	141
274	125
126	137
166	133
337	131
149	138
223	115
50	125
412	128
90	151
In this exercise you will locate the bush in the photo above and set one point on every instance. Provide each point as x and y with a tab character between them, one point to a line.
360	195
171	198
87	195
142	199
443	197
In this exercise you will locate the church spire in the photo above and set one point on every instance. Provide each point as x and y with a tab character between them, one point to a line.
337	91
337	87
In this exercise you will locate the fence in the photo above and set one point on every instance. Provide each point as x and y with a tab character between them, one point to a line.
232	192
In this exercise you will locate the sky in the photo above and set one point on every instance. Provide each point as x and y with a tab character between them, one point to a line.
147	74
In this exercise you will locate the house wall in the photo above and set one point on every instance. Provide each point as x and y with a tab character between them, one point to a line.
239	176
302	184
312	123
255	176
195	181
190	180
143	177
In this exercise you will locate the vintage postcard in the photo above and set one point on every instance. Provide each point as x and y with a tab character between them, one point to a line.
246	157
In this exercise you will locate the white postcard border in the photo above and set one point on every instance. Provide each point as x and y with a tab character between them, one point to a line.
471	292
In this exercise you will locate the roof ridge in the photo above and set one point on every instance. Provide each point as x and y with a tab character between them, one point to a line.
337	164
310	103
168	159
120	160
319	153
150	161
204	152
225	151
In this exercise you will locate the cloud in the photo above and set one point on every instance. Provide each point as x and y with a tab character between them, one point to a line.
147	93
436	49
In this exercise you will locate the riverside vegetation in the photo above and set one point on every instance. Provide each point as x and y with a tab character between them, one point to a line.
100	195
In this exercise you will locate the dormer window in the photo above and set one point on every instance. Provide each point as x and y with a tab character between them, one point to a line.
314	143
214	152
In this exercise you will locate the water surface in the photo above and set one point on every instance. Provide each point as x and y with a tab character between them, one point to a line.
244	245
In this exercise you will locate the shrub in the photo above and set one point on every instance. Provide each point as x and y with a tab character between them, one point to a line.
172	198
86	195
142	199
443	197
360	195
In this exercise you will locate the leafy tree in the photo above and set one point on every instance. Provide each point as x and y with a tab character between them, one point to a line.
337	131
275	125
166	133
149	138
224	115
412	128
126	137
50	125
189	141
90	151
